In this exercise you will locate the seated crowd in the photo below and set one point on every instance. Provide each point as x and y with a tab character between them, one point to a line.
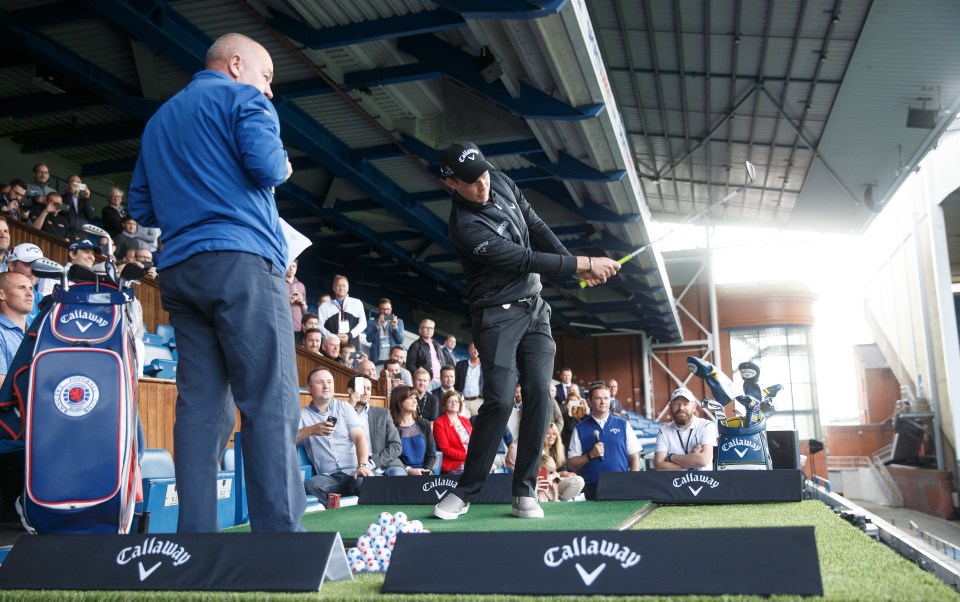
433	391
63	215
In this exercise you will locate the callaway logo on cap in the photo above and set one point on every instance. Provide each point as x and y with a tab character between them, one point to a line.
463	160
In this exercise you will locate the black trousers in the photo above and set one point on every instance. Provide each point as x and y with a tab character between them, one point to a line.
510	338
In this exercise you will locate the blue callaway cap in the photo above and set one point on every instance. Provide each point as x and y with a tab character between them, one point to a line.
82	244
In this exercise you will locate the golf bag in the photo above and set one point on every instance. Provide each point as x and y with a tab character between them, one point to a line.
743	446
742	443
76	388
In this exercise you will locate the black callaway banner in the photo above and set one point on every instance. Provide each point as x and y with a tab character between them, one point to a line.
283	562
431	489
605	562
702	486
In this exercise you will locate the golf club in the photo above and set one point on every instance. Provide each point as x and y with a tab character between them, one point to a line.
751	176
47	268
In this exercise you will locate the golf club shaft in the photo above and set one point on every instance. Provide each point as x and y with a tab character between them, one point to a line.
690	218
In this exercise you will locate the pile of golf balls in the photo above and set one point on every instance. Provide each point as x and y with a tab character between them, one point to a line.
372	554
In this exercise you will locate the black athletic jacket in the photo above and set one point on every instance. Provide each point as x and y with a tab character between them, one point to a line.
504	246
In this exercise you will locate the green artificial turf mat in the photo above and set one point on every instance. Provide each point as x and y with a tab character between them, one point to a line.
353	521
853	566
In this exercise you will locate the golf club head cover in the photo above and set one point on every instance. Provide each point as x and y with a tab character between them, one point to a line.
720	384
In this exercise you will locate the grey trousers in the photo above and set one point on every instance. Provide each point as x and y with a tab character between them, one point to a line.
231	319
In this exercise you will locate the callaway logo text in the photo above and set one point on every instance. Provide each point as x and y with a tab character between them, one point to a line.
692	477
79	314
737	441
583	546
151	546
470	153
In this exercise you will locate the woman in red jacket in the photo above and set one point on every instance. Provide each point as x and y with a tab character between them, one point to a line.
452	433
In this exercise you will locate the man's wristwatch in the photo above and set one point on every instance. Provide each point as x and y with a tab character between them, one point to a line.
670	457
364	465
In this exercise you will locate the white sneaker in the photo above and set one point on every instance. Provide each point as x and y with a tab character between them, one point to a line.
450	507
526	507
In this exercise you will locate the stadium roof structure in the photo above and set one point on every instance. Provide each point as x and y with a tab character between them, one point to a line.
608	114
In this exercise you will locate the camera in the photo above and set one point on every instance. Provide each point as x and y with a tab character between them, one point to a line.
356	355
81	186
332	419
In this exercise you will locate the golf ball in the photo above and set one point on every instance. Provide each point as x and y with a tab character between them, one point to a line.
399	518
374	530
357	566
389	531
363	543
353	554
385	519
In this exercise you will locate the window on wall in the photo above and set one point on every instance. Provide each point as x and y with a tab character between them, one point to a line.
785	356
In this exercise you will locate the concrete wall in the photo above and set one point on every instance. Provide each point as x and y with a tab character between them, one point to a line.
925	490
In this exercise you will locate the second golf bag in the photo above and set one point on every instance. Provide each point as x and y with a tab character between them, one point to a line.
79	400
743	446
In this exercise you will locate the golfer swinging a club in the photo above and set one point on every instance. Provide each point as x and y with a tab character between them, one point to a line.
504	247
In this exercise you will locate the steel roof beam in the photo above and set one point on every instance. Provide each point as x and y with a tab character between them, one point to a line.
503	9
44	103
460	66
424	22
100	133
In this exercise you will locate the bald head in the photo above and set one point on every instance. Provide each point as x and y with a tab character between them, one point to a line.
243	59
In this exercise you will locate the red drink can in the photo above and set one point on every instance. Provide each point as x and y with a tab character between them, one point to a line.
333	501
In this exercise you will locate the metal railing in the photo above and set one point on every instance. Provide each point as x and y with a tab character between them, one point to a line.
941	545
878	471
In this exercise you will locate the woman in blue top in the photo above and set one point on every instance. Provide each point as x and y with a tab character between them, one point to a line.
416	436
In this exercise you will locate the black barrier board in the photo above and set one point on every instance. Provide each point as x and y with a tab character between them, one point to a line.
702	486
283	562
430	489
609	562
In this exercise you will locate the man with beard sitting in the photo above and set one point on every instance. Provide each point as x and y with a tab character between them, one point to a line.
686	443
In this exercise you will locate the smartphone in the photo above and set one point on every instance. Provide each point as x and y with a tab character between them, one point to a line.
81	186
542	474
332	419
147	264
356	355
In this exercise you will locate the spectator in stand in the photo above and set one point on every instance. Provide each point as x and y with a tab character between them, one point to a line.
384	332
11	201
383	438
21	259
307	321
574	389
149	237
602	442
566	378
574	410
313	340
298	297
350	357
560	484
368	369
394	378
47	217
616	407
686	443
397	353
428	405
79	208
4	244
337	450
128	238
452	433
343	315
331	348
323	299
469	380
82	252
448	376
448	351
145	258
16	303
416	435
113	214
425	353
40	187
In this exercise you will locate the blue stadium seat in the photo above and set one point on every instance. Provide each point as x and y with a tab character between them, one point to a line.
227	462
165	332
152	339
159	368
158	510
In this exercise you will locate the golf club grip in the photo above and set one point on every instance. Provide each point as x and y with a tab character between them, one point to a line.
621	261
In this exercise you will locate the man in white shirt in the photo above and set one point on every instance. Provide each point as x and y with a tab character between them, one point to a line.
469	380
686	443
343	315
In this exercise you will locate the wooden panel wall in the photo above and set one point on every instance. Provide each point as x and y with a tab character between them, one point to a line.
603	358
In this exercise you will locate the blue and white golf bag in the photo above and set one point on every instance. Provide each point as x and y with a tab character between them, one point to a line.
77	391
743	446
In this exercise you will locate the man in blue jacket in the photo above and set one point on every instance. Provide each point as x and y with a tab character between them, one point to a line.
209	160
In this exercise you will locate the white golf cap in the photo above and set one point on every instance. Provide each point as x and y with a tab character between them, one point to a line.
26	252
683	392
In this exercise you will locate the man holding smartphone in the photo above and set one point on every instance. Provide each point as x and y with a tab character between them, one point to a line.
332	435
77	206
384	330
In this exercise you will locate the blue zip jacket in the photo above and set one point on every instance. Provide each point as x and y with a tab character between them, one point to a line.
208	160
